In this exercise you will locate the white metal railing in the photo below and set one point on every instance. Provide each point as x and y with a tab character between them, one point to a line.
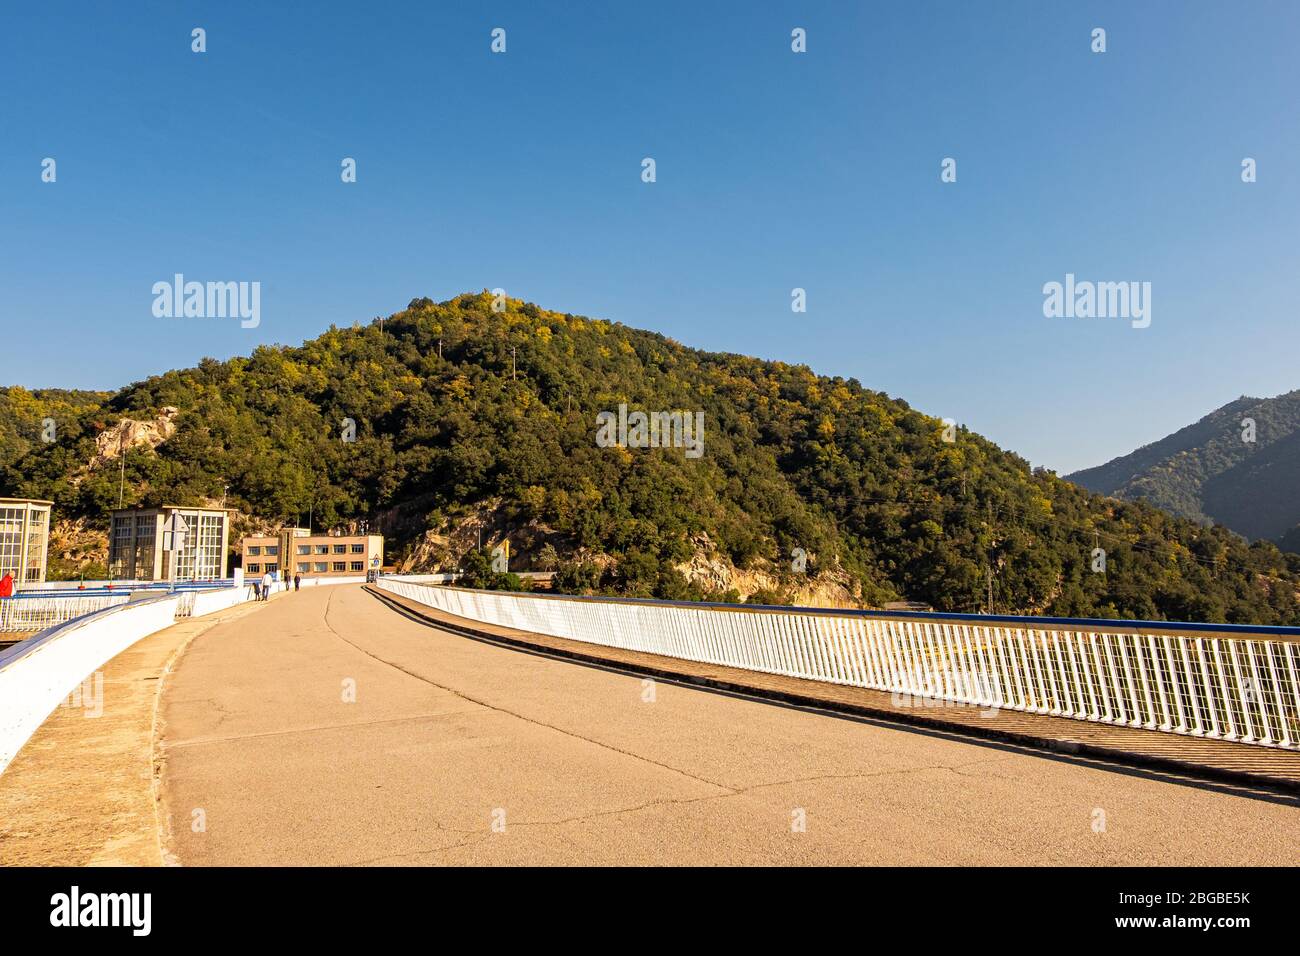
185	603
1217	681
37	612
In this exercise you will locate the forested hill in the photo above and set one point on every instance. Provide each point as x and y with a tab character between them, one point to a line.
24	414
1239	466
865	485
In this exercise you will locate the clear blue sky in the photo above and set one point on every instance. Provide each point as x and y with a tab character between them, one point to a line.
775	170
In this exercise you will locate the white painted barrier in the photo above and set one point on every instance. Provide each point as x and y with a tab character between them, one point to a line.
279	586
36	675
1226	682
198	603
208	602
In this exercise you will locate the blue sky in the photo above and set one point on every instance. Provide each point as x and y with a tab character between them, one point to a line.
775	170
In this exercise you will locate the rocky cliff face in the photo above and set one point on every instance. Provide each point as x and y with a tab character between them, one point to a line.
131	433
715	573
76	549
439	550
439	546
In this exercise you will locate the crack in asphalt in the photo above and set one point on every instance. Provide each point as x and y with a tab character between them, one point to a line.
728	792
668	801
482	836
518	716
202	741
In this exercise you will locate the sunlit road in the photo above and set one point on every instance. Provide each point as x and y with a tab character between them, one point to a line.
328	728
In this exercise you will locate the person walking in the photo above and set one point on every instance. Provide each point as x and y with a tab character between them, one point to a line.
297	581
267	581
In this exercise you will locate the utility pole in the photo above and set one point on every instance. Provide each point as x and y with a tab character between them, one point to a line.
121	454
439	348
988	561
512	363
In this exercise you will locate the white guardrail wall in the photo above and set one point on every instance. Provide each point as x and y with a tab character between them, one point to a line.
1225	682
206	600
38	674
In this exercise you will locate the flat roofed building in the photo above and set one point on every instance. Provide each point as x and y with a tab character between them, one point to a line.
137	544
24	539
298	551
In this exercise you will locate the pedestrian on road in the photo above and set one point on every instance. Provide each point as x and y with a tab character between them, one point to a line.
297	582
267	581
257	590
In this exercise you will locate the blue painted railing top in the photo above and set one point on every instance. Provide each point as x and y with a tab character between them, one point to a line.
123	589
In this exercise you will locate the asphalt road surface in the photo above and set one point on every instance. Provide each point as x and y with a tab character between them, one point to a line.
330	729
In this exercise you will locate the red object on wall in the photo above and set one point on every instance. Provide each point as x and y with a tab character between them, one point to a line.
7	586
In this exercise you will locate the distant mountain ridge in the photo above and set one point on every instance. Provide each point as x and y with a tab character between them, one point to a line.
1209	472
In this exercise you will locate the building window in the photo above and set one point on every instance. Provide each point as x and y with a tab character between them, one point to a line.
322	566
272	549
120	564
254	569
358	565
340	565
24	529
322	549
146	538
254	550
304	549
200	558
340	549
272	568
358	549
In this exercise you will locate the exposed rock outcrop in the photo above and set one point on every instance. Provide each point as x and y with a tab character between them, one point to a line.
132	433
715	573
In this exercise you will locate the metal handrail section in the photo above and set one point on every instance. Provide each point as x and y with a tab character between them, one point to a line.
37	610
36	641
1224	682
33	613
1279	632
185	603
82	587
